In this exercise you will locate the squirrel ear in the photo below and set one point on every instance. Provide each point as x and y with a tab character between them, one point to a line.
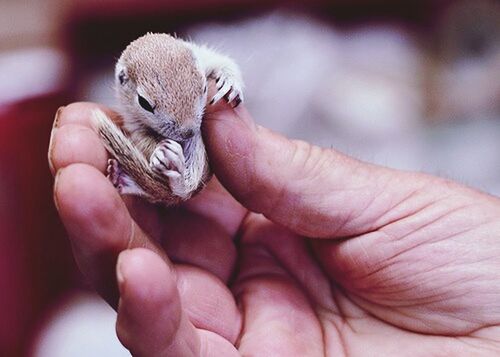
122	77
121	73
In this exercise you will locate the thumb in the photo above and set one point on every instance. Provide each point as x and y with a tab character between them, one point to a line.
313	191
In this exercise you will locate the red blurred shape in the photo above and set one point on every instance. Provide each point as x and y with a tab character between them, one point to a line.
35	259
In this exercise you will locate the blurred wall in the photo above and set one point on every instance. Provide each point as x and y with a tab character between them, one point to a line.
31	22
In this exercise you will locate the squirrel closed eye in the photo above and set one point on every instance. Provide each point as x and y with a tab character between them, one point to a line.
145	104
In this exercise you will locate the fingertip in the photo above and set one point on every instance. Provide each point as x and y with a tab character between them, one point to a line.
77	113
55	125
81	113
223	112
74	139
229	132
235	108
150	317
144	276
76	144
238	152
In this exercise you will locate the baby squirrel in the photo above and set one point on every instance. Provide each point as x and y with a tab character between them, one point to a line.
161	83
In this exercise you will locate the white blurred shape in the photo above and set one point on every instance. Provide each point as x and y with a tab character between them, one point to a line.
376	89
283	57
31	72
357	90
84	326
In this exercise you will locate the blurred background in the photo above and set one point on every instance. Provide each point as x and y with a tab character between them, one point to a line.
413	85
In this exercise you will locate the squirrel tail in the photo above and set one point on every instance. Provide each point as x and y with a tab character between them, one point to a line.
134	163
119	146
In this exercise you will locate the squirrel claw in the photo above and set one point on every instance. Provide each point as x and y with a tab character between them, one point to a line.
168	160
236	101
228	87
168	156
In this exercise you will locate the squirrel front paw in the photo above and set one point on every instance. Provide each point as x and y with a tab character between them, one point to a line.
168	160
229	86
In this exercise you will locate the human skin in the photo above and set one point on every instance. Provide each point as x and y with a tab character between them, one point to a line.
298	251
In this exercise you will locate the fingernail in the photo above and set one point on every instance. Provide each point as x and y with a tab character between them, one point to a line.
120	276
56	179
55	125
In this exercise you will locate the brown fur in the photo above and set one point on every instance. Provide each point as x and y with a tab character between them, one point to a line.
165	67
132	159
171	75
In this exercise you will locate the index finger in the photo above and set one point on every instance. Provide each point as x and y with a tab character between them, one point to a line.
96	219
73	138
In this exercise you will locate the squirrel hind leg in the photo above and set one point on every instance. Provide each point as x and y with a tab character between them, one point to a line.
124	184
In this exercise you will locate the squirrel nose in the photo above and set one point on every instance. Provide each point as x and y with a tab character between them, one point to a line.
188	134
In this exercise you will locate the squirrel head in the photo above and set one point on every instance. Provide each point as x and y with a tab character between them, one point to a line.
161	86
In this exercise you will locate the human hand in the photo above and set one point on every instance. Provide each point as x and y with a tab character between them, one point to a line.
352	258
